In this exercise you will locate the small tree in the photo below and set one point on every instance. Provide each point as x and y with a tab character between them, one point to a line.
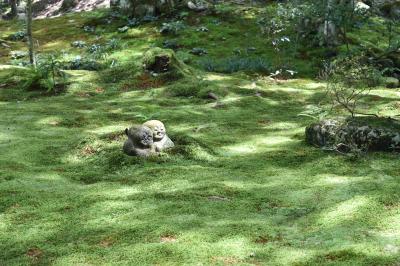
29	32
14	11
349	80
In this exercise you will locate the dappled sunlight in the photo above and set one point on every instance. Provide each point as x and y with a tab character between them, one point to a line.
390	94
53	45
236	246
8	67
257	144
290	256
3	222
107	129
309	84
290	90
329	179
6	137
390	232
240	187
216	77
49	120
344	211
113	192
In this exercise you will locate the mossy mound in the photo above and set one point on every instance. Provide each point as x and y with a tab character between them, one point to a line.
165	62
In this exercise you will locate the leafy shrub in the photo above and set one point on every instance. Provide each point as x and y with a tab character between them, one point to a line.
198	51
90	29
236	64
79	63
78	44
20	62
48	75
172	27
202	29
113	44
149	18
101	50
17	36
123	29
95	48
171	44
133	22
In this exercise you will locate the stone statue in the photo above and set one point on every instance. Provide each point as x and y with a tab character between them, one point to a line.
160	137
147	139
140	142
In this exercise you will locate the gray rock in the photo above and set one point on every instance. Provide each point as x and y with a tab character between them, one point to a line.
198	5
351	134
140	142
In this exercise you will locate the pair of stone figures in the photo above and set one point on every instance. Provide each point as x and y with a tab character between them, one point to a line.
147	139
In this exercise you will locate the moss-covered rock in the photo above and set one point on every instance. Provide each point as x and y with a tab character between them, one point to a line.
370	135
164	61
391	82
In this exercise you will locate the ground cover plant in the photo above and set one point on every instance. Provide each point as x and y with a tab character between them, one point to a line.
241	187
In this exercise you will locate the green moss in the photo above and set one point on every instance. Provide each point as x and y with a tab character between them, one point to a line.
241	186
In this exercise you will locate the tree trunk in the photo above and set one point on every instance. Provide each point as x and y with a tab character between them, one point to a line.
29	32
13	5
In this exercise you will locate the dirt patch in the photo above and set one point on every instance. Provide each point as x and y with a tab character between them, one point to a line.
217	198
88	150
107	242
146	81
225	260
34	253
168	239
262	240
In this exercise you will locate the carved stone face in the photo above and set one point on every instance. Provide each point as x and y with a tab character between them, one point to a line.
158	129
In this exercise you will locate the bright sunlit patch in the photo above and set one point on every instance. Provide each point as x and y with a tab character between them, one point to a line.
344	211
237	246
122	192
284	125
214	77
330	179
54	45
50	120
257	144
289	256
314	85
5	138
107	129
3	67
291	90
391	231
3	224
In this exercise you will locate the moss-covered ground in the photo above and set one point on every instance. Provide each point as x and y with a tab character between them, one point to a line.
241	187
